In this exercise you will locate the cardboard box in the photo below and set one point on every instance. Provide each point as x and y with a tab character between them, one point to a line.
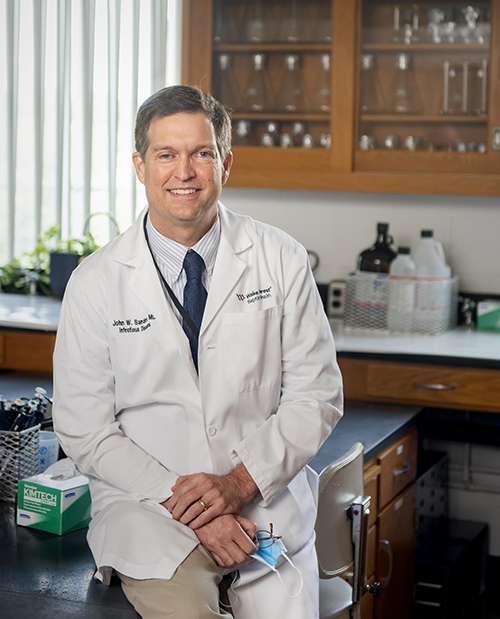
56	506
488	315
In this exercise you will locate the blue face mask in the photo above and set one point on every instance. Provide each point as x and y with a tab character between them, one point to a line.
270	554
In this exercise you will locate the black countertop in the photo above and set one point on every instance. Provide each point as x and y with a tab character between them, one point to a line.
374	425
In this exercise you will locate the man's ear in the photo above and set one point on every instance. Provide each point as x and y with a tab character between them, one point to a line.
227	167
139	166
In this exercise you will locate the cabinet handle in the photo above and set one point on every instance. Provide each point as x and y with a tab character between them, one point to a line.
385	546
435	387
405	469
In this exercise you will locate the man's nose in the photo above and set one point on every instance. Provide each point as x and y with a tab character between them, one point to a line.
184	170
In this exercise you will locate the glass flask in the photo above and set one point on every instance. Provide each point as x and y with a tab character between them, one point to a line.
371	99
316	21
226	89
242	133
294	97
227	20
290	23
259	95
404	98
255	23
321	102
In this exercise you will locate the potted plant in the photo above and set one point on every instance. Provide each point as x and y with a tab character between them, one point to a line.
45	270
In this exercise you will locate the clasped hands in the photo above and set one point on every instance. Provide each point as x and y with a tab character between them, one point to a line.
210	505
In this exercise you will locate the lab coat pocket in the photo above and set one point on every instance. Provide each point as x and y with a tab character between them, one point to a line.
252	348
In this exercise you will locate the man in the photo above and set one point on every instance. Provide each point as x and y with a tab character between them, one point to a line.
195	435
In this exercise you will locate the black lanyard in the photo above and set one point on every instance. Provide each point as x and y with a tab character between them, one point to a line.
180	308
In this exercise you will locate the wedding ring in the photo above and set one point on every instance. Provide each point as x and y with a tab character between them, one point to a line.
203	505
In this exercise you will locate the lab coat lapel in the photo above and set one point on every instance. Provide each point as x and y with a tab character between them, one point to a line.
145	284
229	267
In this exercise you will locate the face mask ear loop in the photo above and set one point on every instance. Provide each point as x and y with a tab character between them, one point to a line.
229	607
300	576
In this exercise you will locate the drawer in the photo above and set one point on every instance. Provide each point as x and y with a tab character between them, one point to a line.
434	385
371	476
398	467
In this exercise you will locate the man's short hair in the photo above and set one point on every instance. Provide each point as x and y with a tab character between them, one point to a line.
174	99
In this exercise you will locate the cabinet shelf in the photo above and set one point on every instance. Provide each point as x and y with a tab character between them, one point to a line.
283	116
273	47
424	118
426	47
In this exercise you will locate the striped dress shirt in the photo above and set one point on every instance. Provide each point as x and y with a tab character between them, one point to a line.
170	255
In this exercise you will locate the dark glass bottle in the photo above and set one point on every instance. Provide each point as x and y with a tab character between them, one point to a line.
377	259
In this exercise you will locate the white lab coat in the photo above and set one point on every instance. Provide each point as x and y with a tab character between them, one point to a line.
133	414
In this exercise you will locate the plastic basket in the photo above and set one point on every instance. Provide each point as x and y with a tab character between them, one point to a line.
19	458
375	302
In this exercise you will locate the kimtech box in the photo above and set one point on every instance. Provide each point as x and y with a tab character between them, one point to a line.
56	506
488	315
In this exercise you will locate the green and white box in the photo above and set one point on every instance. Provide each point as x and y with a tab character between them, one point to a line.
56	506
488	315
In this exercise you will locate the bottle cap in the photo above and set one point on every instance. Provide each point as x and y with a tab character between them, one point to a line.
291	62
403	62
224	62
427	233
367	62
404	250
258	61
382	227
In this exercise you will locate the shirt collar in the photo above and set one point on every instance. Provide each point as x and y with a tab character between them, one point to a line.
171	254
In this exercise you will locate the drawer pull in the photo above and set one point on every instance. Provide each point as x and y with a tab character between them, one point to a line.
435	387
405	469
385	547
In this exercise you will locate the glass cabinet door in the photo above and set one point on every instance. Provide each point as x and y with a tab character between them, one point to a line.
423	96
271	65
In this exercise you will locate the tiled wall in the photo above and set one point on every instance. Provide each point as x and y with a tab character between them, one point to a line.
339	225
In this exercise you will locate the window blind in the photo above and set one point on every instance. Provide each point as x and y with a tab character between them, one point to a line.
72	74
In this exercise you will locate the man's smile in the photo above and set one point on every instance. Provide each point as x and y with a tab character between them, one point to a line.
183	192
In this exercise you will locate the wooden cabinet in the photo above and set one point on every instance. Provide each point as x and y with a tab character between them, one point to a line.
396	534
26	350
390	481
454	153
439	386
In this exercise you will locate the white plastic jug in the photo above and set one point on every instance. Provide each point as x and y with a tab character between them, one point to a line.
402	291
433	295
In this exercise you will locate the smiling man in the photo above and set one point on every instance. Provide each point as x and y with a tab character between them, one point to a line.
195	377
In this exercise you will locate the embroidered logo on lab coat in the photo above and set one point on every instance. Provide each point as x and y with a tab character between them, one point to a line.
134	325
255	295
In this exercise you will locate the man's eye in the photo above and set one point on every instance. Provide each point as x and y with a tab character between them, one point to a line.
165	156
204	154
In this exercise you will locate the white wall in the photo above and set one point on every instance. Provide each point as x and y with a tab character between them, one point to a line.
340	225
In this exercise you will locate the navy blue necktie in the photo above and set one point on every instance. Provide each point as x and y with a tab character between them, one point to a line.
195	297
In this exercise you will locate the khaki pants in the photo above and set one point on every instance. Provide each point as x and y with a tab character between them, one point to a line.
192	592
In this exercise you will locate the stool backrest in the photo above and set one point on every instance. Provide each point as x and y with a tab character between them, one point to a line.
340	484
